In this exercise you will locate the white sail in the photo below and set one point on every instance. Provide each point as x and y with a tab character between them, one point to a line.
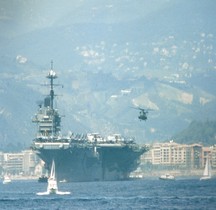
52	172
52	187
207	170
52	182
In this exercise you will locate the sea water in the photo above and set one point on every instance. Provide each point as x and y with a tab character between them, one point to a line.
135	194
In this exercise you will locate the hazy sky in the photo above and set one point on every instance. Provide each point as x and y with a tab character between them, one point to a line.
28	15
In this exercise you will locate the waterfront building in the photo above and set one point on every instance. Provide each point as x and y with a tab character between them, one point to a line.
213	156
22	163
29	161
13	163
171	155
196	156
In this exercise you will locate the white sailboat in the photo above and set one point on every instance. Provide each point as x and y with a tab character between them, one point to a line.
207	170
52	187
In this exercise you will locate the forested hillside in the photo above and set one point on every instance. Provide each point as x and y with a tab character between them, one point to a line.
110	57
198	132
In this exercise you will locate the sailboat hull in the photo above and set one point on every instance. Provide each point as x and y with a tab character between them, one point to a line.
54	193
205	178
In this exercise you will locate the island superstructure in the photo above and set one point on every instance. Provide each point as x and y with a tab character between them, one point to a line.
82	157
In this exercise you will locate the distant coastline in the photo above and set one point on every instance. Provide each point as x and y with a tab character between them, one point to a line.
144	174
20	177
176	173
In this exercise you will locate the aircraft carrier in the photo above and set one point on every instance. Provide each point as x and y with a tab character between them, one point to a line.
81	157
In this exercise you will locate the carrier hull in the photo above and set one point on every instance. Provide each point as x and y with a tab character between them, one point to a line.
90	162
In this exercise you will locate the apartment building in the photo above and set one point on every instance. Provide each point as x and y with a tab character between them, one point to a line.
213	156
12	163
171	155
211	153
18	163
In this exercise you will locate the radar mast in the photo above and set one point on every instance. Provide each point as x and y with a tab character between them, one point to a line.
51	75
48	118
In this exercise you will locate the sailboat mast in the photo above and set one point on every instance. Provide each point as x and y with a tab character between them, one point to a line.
209	167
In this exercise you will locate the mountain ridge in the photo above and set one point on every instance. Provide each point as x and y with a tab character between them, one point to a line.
159	57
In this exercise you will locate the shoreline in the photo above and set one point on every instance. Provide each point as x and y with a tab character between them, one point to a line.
176	173
23	178
145	174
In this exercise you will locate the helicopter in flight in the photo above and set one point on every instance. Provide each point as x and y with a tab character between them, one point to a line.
143	113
